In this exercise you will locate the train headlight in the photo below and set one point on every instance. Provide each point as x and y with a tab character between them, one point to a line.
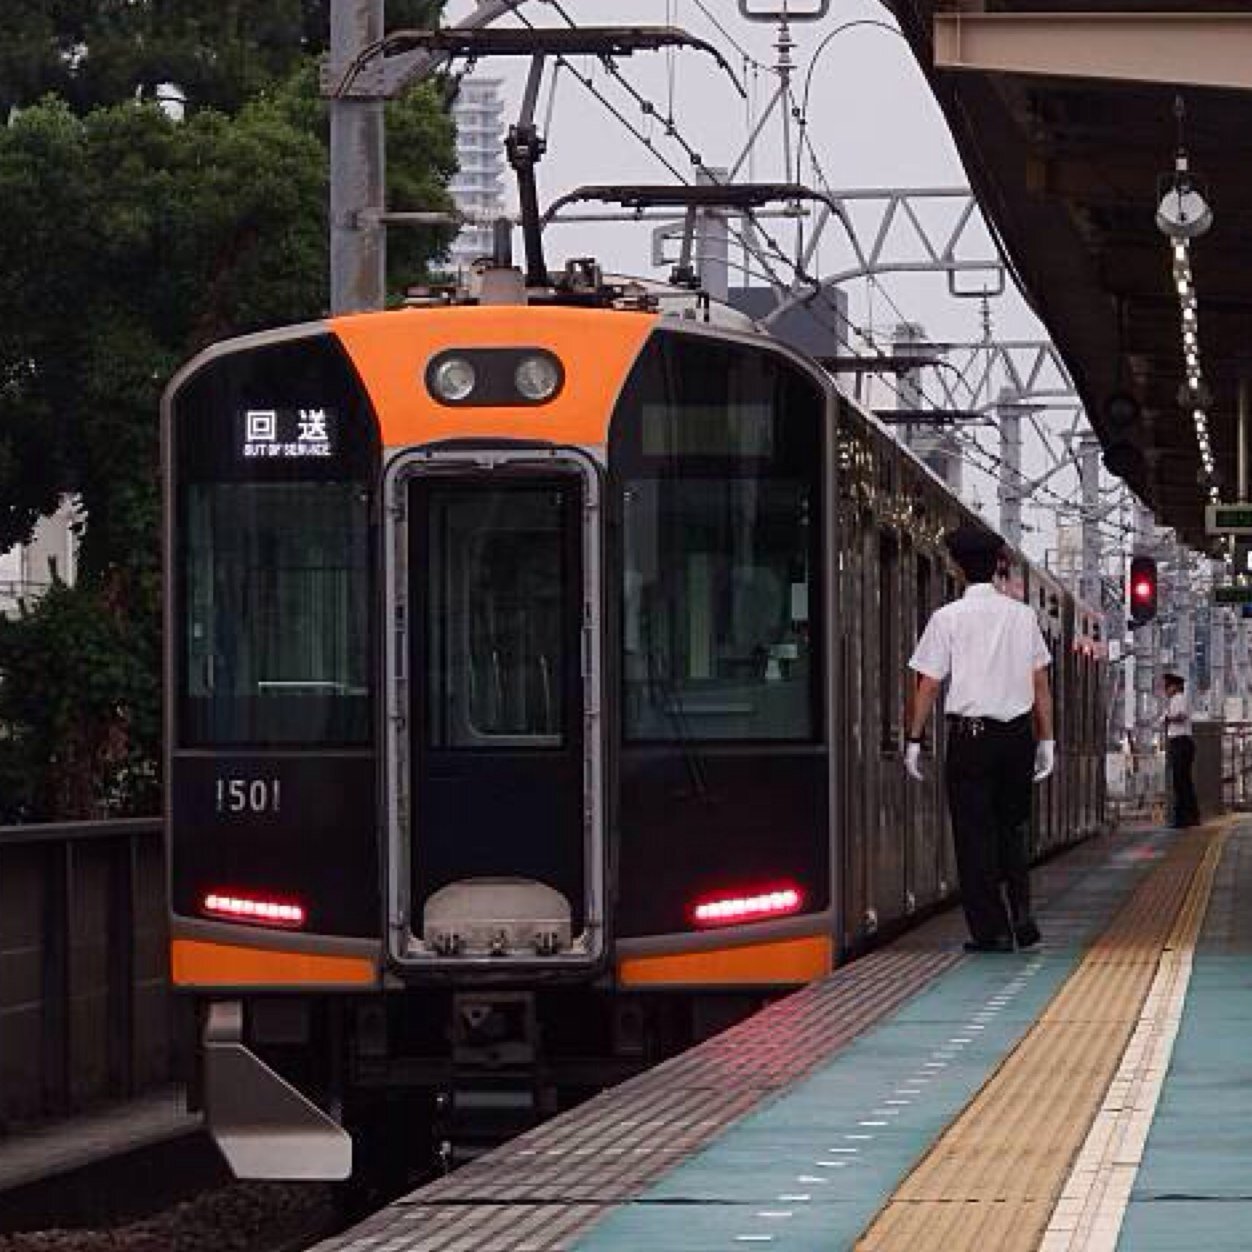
453	379
537	377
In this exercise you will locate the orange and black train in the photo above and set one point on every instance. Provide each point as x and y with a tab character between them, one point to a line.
534	686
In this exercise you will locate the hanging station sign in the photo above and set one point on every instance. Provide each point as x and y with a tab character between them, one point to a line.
1233	593
1228	519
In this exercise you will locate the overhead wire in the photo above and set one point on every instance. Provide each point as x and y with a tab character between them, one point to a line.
998	465
995	465
806	144
671	54
588	85
799	273
839	30
672	131
730	39
547	116
824	183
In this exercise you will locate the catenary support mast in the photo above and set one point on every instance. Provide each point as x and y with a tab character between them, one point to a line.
357	172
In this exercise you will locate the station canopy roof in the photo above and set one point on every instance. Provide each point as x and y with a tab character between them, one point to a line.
1070	171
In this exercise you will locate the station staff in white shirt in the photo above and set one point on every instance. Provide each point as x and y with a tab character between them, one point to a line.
1180	750
989	649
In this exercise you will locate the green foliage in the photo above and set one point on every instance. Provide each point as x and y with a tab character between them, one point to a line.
132	240
222	54
80	707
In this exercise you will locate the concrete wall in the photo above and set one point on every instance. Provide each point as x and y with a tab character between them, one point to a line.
86	1014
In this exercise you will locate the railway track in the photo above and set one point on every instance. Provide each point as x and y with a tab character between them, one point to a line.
176	1194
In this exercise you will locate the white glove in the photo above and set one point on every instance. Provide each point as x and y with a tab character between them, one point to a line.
1045	758
913	761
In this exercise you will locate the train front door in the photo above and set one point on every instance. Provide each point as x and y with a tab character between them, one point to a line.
496	754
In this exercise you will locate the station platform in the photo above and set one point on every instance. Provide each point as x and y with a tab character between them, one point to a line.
1092	1093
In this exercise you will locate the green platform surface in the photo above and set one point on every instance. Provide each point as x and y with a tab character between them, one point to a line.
1194	1188
804	1171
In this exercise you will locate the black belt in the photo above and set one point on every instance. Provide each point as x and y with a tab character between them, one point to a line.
973	726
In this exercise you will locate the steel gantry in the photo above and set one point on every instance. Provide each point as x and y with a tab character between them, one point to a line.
1013	385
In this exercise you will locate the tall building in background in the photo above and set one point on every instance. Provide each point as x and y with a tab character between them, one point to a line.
28	570
476	188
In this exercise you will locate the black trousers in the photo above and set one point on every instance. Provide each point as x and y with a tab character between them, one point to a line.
1180	752
988	776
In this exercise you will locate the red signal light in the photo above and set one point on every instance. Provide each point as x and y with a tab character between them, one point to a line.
725	910
1142	590
241	908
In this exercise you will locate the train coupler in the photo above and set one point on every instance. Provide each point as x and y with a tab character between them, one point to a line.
496	1089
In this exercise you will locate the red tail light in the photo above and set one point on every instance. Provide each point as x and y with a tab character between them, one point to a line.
251	909
722	910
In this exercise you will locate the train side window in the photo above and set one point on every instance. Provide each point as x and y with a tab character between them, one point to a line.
1088	703
889	677
921	600
716	451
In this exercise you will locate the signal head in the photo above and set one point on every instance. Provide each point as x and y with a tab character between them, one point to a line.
1142	590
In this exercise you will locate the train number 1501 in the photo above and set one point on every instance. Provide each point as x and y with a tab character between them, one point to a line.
249	795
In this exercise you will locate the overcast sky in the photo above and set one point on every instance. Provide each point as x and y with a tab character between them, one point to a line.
872	120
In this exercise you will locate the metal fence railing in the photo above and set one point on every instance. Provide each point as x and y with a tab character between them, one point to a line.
1137	784
1237	766
85	1009
1139	781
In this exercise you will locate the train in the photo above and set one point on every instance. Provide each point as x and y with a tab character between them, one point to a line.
535	666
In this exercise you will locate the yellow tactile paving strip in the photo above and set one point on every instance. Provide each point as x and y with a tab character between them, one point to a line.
1088	1216
992	1180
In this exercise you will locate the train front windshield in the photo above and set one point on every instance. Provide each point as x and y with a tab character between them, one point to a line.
719	456
276	631
716	592
275	465
717	453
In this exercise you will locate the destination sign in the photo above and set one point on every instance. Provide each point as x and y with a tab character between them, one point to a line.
1228	519
286	434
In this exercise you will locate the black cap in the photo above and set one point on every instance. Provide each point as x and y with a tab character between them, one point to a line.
968	540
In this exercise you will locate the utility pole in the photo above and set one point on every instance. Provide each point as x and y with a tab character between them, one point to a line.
931	443
1009	421
1237	667
908	339
1146	651
1217	648
713	241
1182	597
1090	584
357	172
1176	651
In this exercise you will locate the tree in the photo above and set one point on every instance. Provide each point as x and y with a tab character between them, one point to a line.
131	241
222	55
